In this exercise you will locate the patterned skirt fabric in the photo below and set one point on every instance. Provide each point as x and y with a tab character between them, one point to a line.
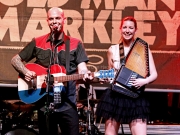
122	108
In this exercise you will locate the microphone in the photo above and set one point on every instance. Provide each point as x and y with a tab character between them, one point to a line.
53	31
54	28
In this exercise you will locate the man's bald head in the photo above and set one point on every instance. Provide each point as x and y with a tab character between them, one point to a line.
56	20
57	10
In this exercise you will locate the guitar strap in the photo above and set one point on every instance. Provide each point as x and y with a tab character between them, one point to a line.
67	50
67	44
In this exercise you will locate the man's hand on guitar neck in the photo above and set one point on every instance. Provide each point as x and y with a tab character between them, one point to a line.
82	69
88	76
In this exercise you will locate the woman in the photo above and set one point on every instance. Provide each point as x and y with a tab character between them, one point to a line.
117	108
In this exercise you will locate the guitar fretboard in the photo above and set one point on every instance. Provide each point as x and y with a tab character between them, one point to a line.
69	77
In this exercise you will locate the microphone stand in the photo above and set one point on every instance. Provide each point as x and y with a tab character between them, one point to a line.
48	78
92	128
49	81
48	86
88	122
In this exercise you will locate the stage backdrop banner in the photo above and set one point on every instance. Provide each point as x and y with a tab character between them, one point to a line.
96	23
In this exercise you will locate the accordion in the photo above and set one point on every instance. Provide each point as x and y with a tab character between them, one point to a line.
136	66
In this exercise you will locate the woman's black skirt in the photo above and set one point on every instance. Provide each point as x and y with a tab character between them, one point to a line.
122	108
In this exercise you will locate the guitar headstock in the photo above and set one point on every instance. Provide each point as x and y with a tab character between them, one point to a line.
105	74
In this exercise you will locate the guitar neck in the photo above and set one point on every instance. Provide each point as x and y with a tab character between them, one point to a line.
69	77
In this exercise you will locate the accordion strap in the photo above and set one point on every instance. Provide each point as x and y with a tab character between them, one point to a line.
118	55
121	53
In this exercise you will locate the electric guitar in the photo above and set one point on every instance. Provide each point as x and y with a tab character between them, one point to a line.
32	91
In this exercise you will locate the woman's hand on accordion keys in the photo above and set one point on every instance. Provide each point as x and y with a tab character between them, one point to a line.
139	82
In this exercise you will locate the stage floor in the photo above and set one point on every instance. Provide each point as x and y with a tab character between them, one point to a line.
152	129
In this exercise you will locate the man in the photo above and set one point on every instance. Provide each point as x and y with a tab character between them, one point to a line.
50	49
